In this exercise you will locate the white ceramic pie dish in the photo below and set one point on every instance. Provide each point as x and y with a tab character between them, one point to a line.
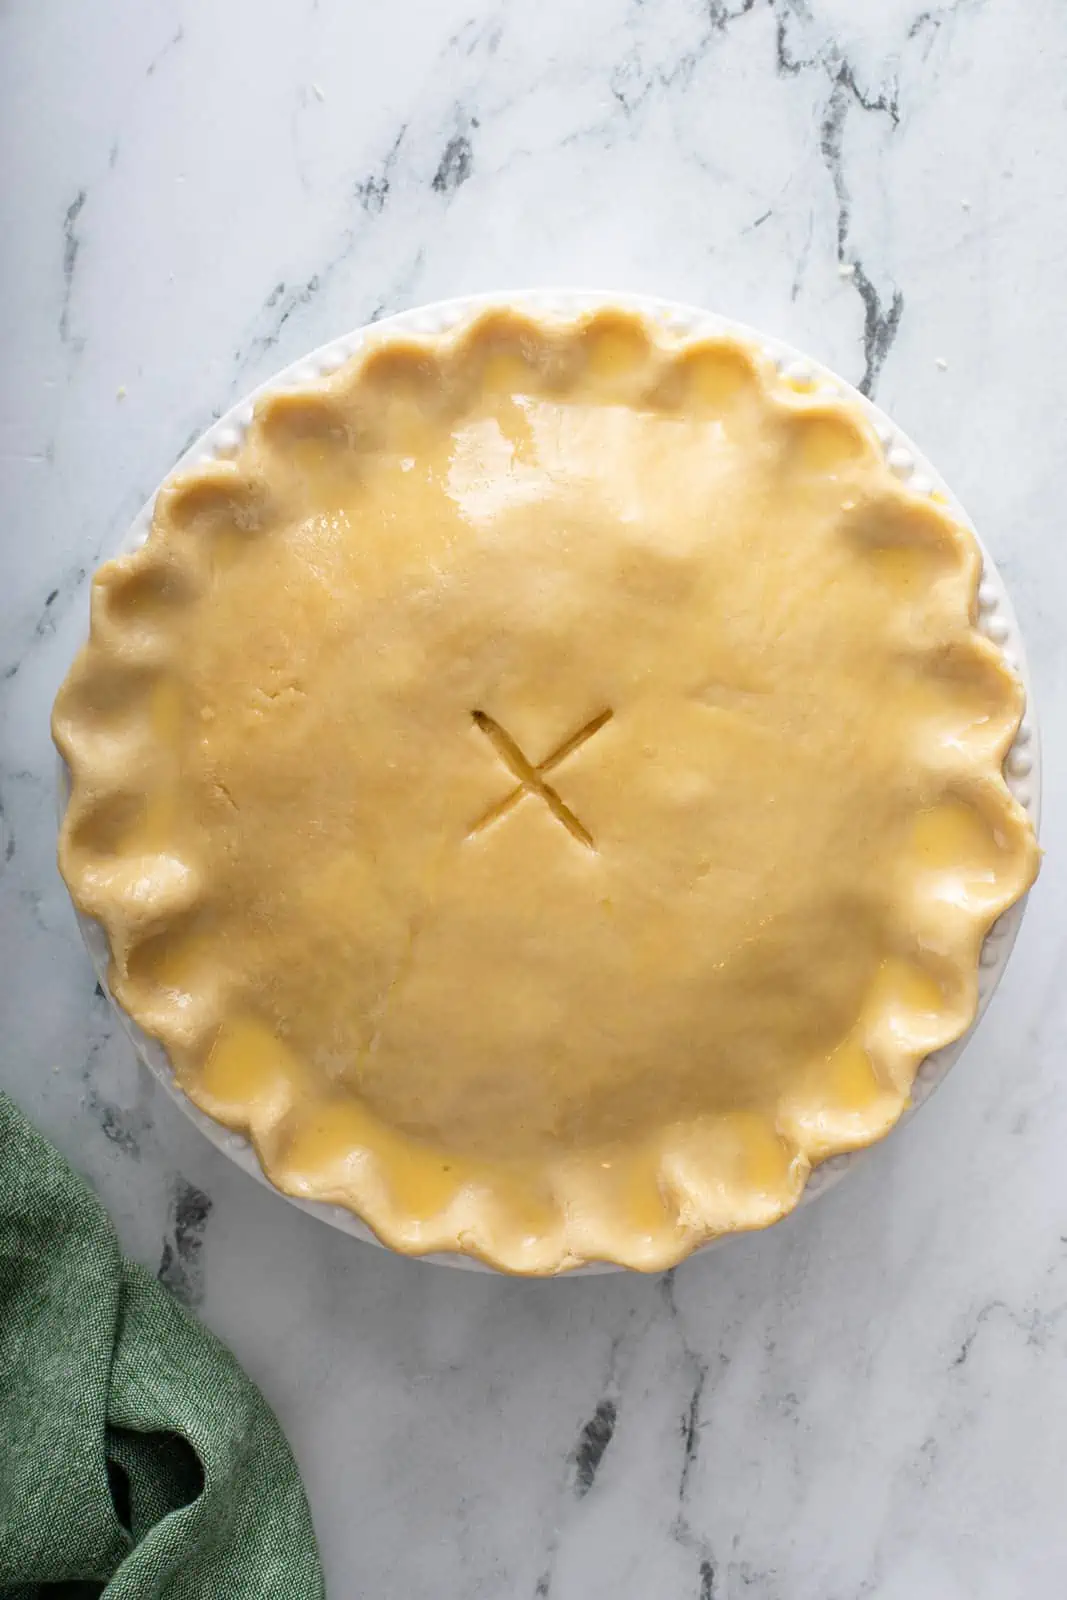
997	621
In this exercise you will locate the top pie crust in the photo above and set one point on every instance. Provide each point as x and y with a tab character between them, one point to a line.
546	788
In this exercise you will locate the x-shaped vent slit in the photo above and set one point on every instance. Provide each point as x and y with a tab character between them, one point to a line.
531	779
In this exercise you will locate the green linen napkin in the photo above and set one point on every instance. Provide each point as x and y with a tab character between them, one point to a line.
136	1459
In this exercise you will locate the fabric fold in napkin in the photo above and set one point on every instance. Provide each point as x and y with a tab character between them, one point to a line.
136	1459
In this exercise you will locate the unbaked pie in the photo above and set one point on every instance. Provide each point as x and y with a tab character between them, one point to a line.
546	788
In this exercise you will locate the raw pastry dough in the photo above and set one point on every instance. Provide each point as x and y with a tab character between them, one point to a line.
546	788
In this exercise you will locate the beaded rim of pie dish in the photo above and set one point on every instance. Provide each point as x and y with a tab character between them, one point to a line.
676	326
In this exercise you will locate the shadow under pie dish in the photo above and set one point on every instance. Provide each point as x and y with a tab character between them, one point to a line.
542	781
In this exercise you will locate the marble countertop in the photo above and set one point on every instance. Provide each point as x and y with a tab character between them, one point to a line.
871	1399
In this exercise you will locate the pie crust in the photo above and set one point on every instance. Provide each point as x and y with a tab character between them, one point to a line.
545	788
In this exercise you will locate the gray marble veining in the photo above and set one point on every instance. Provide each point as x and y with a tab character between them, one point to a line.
871	1399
